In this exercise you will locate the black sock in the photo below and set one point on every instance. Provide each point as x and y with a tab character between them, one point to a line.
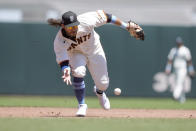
99	91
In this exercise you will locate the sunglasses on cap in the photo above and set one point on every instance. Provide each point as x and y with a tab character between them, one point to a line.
72	27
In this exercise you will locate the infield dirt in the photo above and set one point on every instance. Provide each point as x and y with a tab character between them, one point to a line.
36	112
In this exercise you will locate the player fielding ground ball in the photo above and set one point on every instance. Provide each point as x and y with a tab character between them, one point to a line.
77	45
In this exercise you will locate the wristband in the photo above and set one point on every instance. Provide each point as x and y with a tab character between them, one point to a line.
168	67
190	68
64	67
64	64
122	24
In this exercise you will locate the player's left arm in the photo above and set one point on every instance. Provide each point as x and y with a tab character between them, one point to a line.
191	70
134	29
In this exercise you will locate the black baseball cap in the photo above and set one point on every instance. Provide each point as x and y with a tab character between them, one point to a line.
70	19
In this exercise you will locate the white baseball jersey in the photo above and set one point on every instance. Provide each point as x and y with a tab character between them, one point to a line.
87	40
180	56
86	50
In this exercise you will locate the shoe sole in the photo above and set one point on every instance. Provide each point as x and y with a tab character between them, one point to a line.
80	115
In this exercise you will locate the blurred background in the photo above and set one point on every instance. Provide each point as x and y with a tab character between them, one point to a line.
28	64
151	12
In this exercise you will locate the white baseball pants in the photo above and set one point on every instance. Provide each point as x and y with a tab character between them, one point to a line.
96	64
180	75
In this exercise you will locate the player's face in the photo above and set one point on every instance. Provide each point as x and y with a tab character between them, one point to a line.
179	44
72	30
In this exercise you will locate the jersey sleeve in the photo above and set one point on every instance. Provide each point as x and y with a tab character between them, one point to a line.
93	19
60	50
171	54
188	54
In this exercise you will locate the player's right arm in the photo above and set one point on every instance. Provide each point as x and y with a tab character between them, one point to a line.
171	55
62	59
168	67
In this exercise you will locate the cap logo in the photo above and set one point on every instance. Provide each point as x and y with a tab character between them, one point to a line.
71	18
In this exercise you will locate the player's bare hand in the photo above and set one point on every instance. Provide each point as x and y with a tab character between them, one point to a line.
66	76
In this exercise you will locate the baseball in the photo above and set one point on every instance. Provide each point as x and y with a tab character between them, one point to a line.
117	91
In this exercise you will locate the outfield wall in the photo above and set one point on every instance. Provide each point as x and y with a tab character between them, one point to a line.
28	64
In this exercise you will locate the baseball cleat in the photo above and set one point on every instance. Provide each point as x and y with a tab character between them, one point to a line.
81	110
103	100
177	93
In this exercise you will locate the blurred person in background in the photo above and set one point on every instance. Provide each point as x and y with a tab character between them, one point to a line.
180	59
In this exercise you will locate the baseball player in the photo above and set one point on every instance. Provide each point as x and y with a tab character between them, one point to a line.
77	45
180	57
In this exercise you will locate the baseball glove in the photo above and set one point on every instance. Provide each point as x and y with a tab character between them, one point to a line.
135	30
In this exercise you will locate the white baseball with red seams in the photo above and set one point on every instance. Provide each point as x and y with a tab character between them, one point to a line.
117	91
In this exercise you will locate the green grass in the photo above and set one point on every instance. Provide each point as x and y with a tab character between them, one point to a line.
96	124
93	124
116	102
